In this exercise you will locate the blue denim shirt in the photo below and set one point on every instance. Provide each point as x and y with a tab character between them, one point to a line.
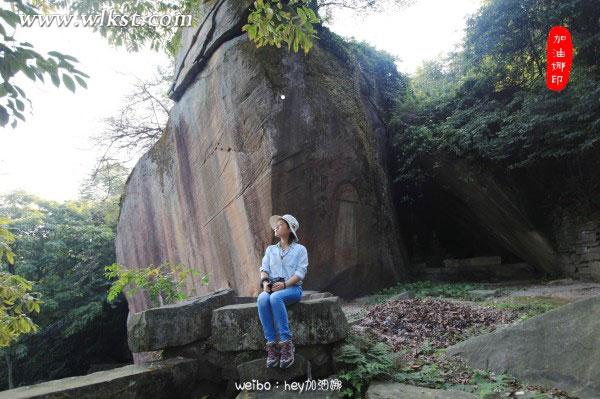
295	262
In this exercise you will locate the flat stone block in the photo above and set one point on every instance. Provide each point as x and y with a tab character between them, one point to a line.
175	325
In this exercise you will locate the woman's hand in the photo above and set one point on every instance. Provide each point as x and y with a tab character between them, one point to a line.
278	286
266	287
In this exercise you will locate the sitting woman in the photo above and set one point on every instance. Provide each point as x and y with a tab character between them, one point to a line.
283	269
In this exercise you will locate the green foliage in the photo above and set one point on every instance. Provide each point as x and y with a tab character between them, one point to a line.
17	302
488	384
164	283
132	36
358	368
6	240
273	22
527	306
62	247
428	375
16	56
427	288
488	104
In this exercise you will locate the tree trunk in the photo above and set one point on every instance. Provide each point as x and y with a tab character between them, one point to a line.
9	367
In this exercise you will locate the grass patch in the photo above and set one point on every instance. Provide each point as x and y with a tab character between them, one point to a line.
527	306
425	288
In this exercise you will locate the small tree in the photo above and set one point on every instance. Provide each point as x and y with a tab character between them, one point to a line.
164	283
17	302
16	299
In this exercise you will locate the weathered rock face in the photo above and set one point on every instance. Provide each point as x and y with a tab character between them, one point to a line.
559	348
235	151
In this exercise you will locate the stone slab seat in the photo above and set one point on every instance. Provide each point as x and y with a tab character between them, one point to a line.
175	325
312	322
172	378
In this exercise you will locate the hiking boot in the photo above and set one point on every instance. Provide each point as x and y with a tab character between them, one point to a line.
287	354
273	354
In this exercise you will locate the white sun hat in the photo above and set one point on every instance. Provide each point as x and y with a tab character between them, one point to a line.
292	222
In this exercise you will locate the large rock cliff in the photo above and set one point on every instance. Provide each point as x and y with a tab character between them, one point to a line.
256	132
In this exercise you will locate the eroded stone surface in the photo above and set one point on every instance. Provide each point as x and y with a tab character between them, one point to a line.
560	348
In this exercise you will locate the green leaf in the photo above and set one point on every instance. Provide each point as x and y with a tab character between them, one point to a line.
19	115
29	72
302	15
81	81
10	258
10	17
3	116
68	81
55	79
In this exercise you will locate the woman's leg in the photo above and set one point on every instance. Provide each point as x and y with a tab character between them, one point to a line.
278	301
266	316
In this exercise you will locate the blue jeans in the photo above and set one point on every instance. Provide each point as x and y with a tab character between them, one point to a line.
273	314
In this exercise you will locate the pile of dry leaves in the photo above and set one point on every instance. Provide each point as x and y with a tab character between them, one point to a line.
412	323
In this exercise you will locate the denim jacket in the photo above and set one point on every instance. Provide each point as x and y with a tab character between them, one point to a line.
295	262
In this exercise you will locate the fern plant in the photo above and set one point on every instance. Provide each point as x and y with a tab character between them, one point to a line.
358	368
428	375
487	385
